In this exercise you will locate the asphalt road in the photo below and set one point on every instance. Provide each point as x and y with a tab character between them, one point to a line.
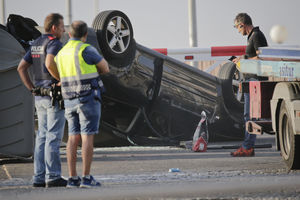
143	173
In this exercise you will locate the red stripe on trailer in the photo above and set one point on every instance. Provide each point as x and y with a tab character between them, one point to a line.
163	51
228	51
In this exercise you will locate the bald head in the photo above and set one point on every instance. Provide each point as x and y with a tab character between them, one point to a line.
78	29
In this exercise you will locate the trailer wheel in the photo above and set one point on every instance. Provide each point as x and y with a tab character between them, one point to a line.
115	37
289	142
230	79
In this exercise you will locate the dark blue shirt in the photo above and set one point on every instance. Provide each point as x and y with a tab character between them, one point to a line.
90	54
53	48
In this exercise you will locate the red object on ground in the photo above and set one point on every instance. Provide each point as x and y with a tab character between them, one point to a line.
200	145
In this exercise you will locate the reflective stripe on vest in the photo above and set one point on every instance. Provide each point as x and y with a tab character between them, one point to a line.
71	64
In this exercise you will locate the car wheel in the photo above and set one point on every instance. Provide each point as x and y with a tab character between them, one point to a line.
230	80
115	37
233	100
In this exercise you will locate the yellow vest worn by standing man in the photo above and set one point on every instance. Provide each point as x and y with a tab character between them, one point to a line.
78	78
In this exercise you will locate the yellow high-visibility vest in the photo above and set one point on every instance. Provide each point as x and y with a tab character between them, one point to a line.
75	74
71	65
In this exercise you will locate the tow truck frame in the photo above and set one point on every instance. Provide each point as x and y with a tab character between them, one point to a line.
275	104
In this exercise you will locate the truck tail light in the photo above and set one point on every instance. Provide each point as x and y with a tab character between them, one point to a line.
189	57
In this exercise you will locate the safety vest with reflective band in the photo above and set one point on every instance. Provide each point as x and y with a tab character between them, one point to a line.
38	54
77	77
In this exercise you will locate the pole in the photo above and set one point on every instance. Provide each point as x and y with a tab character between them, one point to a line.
68	12
2	10
192	25
96	5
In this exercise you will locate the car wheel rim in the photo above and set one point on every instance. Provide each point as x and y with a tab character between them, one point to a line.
118	34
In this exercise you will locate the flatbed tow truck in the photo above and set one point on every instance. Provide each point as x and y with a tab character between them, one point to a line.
275	104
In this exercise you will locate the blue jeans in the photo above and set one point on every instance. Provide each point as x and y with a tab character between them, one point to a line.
83	114
51	122
250	139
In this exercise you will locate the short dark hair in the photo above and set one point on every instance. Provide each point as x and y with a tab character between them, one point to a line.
52	19
78	29
243	18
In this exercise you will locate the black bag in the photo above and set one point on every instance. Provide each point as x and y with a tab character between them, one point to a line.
23	29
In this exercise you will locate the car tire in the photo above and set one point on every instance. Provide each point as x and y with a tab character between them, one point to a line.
230	79
115	37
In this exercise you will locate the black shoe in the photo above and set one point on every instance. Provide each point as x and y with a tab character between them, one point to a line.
39	184
60	182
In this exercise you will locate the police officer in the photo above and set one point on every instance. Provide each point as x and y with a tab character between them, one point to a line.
51	120
79	65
